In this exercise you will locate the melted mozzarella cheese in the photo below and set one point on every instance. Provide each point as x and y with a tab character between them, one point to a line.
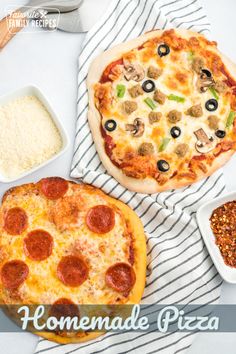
99	251
172	65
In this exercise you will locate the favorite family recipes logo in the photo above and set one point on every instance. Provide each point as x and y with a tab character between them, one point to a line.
30	18
168	319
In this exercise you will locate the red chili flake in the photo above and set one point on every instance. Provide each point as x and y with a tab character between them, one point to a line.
223	224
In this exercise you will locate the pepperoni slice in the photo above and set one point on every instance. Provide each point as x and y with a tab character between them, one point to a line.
15	221
64	308
120	277
53	187
100	219
14	273
72	271
38	245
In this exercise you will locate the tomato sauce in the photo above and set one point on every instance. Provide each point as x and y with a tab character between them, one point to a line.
109	145
105	76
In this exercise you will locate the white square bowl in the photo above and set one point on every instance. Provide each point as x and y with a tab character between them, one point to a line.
203	217
35	91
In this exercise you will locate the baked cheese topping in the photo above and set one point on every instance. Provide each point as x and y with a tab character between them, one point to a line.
60	240
167	108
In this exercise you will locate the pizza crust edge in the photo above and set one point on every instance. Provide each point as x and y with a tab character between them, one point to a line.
147	185
68	340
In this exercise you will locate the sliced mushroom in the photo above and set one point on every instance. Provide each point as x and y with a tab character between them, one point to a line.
137	128
205	78
130	128
204	143
204	82
134	72
198	64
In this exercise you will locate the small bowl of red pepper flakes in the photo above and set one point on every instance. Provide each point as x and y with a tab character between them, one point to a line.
223	225
217	223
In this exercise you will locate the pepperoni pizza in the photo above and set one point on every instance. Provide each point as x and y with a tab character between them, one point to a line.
65	243
162	109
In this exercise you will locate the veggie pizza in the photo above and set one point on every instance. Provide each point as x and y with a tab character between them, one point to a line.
162	110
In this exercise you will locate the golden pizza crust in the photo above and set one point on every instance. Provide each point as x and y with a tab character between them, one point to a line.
69	340
139	245
147	185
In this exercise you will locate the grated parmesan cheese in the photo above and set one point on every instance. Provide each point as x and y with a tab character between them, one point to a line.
28	136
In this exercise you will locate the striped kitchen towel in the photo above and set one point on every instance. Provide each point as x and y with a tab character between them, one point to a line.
179	267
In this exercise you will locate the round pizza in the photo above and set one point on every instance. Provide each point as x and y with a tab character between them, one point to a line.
162	110
64	243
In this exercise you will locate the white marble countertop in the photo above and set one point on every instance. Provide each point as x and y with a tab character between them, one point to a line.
49	61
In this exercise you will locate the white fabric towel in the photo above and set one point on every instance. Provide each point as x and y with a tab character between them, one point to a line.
179	267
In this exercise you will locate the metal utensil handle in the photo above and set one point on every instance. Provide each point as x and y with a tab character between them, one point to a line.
7	29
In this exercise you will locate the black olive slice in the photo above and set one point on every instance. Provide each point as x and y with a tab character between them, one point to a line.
163	165
110	125
175	132
211	105
220	134
206	73
163	50
148	86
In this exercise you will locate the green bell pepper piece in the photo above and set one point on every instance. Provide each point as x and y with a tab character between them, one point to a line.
172	97
150	103
120	90
214	93
165	142
230	119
